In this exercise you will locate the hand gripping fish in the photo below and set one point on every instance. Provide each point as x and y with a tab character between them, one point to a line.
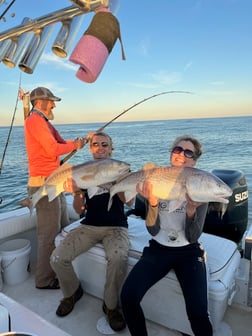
90	174
172	183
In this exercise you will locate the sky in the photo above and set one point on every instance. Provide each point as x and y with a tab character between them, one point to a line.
198	46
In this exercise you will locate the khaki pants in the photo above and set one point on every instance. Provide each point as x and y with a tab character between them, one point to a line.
51	218
116	245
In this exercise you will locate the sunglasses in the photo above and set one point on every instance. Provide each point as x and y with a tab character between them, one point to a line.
97	144
187	152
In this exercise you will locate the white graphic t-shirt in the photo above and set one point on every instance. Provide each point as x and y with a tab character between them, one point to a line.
172	224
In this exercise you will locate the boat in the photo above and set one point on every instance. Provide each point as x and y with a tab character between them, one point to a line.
32	311
27	311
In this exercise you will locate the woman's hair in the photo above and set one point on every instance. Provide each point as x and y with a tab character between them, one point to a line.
194	141
110	142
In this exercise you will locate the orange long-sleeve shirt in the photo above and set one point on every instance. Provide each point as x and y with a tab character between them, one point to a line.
44	145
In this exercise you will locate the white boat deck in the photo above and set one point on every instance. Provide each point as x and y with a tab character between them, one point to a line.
83	319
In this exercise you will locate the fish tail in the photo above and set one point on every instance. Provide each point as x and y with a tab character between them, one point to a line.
27	202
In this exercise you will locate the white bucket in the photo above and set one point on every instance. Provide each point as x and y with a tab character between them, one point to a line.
15	256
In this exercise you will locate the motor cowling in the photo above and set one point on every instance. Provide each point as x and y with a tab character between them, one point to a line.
233	223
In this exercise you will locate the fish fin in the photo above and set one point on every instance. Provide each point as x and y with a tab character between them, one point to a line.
110	202
52	191
224	207
92	191
174	204
27	202
51	197
106	186
129	195
219	208
149	165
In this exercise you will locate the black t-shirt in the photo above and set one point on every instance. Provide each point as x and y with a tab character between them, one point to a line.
98	215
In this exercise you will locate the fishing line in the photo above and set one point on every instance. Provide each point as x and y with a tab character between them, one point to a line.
67	157
11	126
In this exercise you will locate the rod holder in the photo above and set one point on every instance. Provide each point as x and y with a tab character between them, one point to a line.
16	48
66	36
35	49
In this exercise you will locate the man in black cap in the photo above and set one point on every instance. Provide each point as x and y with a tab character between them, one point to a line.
44	146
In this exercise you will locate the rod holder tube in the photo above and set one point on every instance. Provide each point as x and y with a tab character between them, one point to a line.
16	48
35	49
66	36
4	45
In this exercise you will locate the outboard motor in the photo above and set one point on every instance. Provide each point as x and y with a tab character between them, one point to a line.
233	223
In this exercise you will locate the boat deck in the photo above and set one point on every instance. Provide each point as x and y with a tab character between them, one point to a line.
83	319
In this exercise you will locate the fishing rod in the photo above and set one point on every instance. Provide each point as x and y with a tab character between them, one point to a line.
67	157
11	126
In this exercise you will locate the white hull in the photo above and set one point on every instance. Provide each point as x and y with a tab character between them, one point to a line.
229	288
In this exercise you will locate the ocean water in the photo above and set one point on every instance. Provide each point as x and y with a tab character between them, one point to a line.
227	144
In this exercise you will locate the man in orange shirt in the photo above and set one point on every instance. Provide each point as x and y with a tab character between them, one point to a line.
44	146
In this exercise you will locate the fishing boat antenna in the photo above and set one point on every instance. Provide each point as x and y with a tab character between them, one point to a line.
11	126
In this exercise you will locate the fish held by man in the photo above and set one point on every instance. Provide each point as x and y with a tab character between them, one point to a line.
173	183
90	174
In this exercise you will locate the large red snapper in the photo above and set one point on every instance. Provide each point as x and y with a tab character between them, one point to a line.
90	174
172	183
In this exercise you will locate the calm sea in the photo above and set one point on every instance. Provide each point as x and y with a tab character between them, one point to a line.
227	144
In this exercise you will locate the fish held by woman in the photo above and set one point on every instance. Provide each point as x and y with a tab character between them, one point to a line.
173	183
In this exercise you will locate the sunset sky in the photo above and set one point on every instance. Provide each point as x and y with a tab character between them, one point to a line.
200	46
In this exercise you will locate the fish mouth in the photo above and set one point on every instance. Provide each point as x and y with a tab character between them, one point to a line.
223	197
124	170
226	194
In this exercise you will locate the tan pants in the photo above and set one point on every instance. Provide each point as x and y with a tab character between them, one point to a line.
116	245
51	218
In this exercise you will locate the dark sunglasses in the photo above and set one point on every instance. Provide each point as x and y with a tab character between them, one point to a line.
97	144
187	152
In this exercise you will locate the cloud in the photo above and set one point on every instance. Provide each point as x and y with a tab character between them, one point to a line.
217	83
60	63
188	66
144	47
141	85
6	83
165	78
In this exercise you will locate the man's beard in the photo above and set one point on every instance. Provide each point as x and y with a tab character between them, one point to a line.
50	116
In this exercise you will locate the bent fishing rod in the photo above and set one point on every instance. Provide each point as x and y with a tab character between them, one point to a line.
67	157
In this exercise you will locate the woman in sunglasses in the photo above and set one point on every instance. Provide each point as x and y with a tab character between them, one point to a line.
174	245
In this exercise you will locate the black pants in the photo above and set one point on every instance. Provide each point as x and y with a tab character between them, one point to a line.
157	260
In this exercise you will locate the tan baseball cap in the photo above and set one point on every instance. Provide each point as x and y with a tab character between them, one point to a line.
43	93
